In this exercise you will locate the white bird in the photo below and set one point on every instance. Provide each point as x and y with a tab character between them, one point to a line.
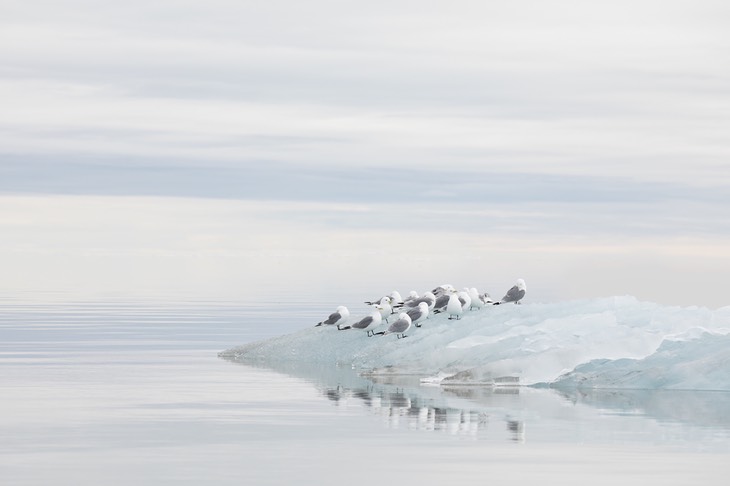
366	323
442	289
399	327
453	308
476	301
418	314
464	299
394	297
515	294
413	295
427	297
386	308
338	317
442	301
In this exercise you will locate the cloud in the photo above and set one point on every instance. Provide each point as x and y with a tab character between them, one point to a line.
402	199
566	126
559	88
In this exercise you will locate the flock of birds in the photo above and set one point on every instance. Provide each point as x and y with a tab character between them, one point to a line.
415	309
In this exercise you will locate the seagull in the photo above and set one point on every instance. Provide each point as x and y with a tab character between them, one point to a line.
514	294
366	323
394	297
413	295
399	327
418	314
464	299
486	298
442	289
453	307
386	308
338	317
476	301
428	298
442	301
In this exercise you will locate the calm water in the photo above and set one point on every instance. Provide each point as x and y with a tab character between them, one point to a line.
134	393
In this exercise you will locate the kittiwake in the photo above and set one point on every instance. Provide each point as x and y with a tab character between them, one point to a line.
366	323
515	294
399	327
338	317
453	307
418	314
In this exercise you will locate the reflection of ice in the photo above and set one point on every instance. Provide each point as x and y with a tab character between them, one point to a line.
504	414
706	409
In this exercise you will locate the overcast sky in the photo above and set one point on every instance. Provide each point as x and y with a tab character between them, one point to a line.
519	130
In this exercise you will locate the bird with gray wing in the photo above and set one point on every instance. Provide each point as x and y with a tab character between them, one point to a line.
442	301
394	298
428	298
366	323
338	317
515	294
418	314
399	327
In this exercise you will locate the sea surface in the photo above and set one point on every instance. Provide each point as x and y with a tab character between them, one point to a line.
112	392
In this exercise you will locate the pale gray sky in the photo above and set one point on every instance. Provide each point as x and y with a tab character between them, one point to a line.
565	139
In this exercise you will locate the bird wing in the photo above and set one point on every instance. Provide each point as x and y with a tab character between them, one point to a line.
334	317
513	295
399	326
363	323
441	301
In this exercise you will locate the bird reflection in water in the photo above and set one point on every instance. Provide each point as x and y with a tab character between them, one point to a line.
517	428
401	408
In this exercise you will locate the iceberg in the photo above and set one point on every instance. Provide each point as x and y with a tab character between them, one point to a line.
613	342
